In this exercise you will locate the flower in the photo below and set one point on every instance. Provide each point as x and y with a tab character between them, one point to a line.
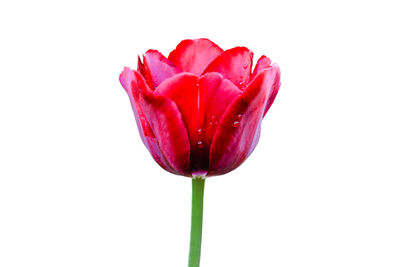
199	111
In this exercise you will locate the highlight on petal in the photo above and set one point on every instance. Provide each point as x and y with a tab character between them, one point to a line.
158	119
158	68
194	55
202	102
239	129
234	64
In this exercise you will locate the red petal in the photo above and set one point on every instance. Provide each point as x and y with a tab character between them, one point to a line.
126	78
158	68
239	129
194	55
234	64
140	68
158	119
201	101
262	63
275	89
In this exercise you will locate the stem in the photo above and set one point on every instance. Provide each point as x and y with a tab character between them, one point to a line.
197	221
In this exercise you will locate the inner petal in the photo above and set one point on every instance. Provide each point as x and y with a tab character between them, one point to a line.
194	55
234	64
202	101
158	68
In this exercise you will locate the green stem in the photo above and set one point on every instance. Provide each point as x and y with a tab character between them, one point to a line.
197	221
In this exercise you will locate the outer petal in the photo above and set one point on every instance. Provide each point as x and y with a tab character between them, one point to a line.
159	123
125	79
275	89
194	55
158	68
239	129
202	102
234	64
262	63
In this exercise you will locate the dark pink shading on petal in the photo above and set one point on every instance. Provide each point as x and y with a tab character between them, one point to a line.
201	101
160	115
234	64
239	129
262	63
194	55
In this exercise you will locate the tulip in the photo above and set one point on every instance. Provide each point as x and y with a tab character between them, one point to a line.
199	112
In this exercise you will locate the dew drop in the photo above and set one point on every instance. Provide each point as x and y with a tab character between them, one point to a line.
245	66
200	131
212	121
241	84
236	124
239	117
200	144
197	84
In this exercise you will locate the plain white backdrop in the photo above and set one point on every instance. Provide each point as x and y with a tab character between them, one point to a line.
78	187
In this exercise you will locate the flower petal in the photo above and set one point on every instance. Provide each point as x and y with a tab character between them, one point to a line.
194	55
158	68
158	119
140	67
201	101
146	133
262	63
275	89
234	64
239	129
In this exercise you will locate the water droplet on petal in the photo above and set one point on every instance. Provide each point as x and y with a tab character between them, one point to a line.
197	84
239	117
200	132
245	66
241	84
236	124
200	144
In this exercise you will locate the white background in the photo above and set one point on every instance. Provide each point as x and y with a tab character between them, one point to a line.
78	188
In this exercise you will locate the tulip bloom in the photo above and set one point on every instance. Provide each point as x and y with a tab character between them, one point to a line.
199	111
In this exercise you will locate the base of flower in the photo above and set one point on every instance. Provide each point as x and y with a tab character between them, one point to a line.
197	221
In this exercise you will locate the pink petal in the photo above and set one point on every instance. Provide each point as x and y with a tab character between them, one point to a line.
262	63
201	101
275	89
158	68
239	129
158	119
194	55
234	64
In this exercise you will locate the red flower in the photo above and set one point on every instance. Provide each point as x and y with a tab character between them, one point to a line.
199	111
